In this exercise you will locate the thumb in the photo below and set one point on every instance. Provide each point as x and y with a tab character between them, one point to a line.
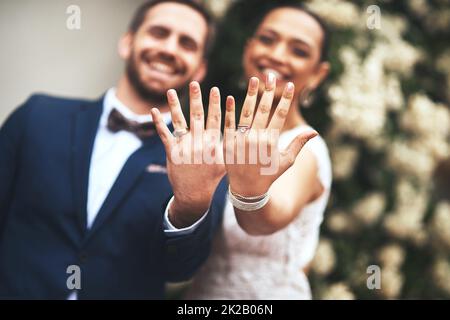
162	130
289	155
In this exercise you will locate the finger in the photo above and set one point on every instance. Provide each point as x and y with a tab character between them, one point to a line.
163	132
230	121
229	130
248	109
280	114
178	120
265	105
196	107
289	155
214	113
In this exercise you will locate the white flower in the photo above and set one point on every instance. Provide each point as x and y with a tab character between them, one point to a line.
391	283
419	7
406	222
425	117
443	62
369	209
411	158
340	222
440	224
394	95
391	256
325	258
340	14
399	56
393	27
441	274
344	159
218	7
338	291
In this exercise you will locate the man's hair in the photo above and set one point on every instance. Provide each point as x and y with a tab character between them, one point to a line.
140	14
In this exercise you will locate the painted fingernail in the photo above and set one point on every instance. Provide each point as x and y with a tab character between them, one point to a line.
195	87
290	88
230	103
270	82
254	83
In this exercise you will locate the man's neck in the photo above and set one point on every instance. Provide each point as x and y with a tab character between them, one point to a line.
129	97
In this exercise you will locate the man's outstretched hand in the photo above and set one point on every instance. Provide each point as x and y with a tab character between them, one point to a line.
194	155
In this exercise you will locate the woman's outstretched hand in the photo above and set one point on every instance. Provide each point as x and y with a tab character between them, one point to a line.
252	158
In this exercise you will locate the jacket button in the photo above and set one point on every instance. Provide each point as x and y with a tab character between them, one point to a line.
83	257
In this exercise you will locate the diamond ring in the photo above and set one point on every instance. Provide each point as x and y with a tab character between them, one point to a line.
243	128
180	132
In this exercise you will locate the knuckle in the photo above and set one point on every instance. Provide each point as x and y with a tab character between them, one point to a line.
265	108
282	113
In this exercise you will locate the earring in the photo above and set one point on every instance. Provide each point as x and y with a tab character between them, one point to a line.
306	97
242	83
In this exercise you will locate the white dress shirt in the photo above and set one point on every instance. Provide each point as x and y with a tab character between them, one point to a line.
110	153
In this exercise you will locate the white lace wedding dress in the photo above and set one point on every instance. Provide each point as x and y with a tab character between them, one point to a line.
266	267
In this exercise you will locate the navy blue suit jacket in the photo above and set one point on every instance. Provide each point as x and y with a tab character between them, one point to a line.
45	151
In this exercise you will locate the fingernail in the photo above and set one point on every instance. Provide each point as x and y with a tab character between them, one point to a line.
172	94
230	101
254	83
270	80
194	86
290	87
214	91
313	133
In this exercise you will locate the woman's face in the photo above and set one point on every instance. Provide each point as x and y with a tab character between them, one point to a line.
288	42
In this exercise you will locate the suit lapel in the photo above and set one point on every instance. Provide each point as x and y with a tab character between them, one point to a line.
152	151
85	130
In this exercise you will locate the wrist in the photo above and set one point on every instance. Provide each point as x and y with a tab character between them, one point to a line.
184	213
248	191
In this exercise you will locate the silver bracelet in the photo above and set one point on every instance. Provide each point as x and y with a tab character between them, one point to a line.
248	206
247	199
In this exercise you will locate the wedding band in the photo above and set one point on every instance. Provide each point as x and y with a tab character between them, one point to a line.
180	132
243	128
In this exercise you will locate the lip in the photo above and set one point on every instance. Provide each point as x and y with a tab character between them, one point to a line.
279	73
160	66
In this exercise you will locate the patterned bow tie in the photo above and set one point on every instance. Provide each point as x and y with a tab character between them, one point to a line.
117	122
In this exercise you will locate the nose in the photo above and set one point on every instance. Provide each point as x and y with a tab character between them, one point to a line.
279	53
170	45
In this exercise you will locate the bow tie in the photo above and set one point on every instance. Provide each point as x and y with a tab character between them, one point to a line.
117	122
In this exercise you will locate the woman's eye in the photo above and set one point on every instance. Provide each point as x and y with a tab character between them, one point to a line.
300	52
265	39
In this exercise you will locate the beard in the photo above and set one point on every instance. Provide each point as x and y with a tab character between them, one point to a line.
141	88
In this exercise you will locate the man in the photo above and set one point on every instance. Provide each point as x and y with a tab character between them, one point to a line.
84	185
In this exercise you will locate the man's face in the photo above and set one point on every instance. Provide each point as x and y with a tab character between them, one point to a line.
167	50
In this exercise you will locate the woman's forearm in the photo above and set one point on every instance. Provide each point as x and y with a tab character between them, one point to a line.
275	215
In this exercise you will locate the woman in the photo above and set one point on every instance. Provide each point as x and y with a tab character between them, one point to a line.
261	254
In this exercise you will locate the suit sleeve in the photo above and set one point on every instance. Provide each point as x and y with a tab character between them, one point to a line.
186	253
11	134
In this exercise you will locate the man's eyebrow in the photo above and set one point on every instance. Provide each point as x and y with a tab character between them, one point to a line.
269	31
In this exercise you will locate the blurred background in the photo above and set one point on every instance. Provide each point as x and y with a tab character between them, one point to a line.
40	54
384	113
